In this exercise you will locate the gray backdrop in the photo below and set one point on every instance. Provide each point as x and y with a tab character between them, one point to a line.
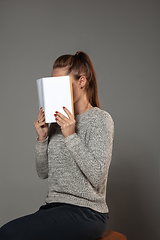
122	38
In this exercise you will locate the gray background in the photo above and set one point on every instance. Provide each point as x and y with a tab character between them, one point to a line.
122	38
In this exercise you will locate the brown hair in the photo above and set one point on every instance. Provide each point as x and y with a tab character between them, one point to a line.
80	65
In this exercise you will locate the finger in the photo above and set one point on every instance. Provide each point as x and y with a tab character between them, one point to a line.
41	118
68	112
59	118
62	116
59	123
38	125
37	122
40	112
63	125
41	124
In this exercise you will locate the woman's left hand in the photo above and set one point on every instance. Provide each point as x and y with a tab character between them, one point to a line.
67	124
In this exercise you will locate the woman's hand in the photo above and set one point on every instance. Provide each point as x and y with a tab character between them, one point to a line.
40	126
67	125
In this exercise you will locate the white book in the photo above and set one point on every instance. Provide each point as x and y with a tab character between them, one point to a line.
53	94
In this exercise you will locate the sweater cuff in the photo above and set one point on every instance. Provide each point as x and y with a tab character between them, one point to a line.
41	144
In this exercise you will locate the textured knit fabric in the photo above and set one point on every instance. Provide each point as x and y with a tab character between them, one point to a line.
77	166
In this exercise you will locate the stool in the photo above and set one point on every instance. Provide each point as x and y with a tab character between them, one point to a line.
111	235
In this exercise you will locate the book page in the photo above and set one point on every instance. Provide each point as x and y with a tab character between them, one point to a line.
40	93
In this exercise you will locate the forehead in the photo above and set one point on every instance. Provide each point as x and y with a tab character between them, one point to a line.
59	72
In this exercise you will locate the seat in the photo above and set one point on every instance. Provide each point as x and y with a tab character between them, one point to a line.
111	235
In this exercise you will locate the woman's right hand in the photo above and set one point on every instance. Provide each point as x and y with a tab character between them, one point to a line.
40	126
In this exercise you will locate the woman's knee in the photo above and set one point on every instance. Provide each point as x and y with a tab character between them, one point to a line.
7	231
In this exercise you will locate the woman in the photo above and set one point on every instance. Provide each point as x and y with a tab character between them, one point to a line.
74	154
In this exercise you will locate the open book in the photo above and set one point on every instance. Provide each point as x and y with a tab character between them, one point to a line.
53	94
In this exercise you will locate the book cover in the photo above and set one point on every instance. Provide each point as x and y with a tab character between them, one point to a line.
53	94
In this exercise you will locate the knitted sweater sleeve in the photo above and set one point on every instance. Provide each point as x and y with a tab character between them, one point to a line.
42	158
41	150
94	158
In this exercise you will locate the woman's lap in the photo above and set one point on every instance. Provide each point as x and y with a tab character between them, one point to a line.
56	222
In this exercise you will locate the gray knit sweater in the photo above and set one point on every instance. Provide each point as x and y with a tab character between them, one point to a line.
77	166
